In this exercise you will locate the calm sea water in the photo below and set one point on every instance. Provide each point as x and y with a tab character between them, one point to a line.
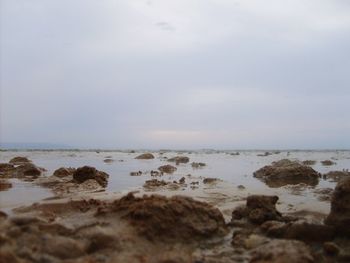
236	170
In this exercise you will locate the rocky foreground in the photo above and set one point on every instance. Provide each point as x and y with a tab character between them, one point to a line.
169	229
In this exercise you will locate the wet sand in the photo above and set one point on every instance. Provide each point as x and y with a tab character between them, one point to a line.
120	235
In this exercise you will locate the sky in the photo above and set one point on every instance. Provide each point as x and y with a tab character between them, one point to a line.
184	74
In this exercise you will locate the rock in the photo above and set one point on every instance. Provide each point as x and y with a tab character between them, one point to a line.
210	180
234	154
198	165
4	185
241	187
179	159
136	173
324	194
182	180
175	218
331	248
108	160
156	173
28	169
264	154
328	162
286	251
167	168
258	209
154	183
63	172
339	217
285	172
4	167
145	156
336	176
19	160
309	162
86	172
301	231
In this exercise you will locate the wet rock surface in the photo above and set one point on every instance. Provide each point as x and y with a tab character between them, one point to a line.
178	217
179	159
339	216
198	165
145	156
287	251
328	162
63	172
87	172
336	176
19	160
167	169
5	185
285	172
258	209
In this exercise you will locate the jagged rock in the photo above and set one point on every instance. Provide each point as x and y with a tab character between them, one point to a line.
175	218
63	172
258	209
210	180
339	217
285	172
86	172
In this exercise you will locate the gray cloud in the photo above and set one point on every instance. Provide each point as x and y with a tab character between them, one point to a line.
246	75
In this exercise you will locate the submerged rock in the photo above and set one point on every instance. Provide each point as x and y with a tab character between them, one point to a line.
179	159
336	176
108	160
5	185
210	180
339	216
328	163
63	172
285	172
258	209
19	160
86	172
176	218
309	162
145	156
167	168
286	251
198	165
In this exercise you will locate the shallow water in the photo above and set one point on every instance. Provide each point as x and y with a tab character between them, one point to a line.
233	169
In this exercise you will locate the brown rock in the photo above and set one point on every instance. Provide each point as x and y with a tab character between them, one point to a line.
176	218
331	248
167	168
4	167
19	160
179	159
198	165
210	180
108	160
145	156
328	162
4	185
339	216
28	169
309	162
86	172
286	251
302	231
285	172
259	208
63	172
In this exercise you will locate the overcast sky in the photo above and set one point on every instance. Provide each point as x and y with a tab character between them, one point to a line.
176	74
